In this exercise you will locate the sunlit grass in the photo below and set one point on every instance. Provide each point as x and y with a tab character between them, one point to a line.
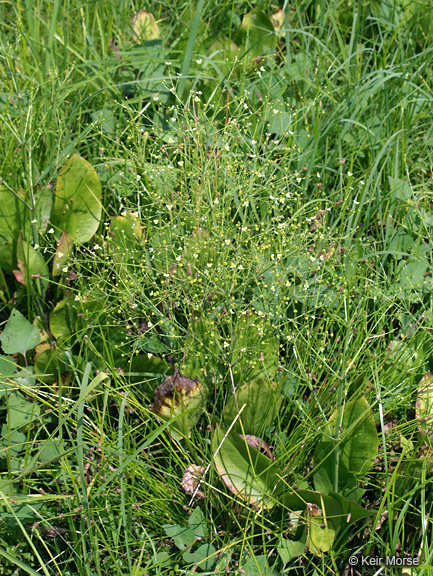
295	188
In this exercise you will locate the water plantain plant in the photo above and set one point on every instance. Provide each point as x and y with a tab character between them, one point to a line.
325	503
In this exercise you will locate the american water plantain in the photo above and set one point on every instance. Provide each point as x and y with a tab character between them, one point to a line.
181	397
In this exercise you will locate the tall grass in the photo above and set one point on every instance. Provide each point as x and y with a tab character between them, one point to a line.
297	187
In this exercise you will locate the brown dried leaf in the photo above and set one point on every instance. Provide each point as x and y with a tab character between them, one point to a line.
258	444
190	480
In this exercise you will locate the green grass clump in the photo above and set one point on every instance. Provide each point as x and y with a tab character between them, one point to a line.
266	213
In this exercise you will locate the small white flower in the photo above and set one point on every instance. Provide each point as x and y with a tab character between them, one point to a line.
36	246
77	298
34	221
226	344
199	61
60	254
64	269
216	201
51	231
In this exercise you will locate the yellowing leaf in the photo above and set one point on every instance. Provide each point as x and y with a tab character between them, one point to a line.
145	27
77	205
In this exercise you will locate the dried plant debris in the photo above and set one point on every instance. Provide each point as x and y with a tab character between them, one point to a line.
258	444
181	398
191	479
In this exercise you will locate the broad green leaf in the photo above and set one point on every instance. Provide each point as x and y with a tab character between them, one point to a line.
105	119
50	449
182	537
21	411
11	442
204	557
299	500
411	274
255	349
19	335
44	204
202	349
50	364
62	320
31	264
246	472
256	36
400	189
151	344
7	367
358	443
200	250
351	511
325	471
337	507
424	401
197	523
63	253
182	398
124	233
144	27
77	205
290	549
223	52
321	531
13	214
148	371
256	566
125	230
8	258
262	398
